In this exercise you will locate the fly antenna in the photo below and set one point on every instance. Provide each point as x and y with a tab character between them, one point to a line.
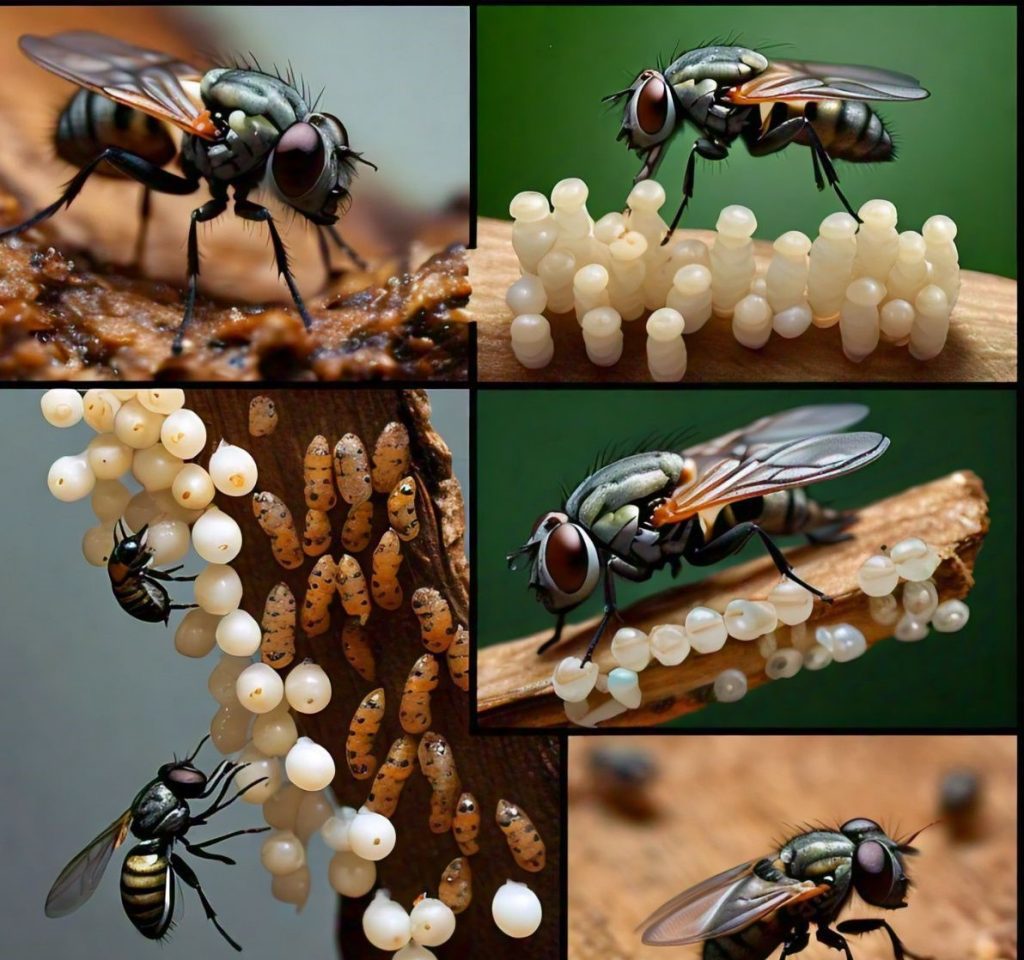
904	843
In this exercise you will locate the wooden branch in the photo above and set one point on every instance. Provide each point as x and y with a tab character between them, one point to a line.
514	684
521	769
982	342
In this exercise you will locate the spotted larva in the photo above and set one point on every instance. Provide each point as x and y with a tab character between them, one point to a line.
396	769
387	558
456	886
316	468
316	614
352	588
458	659
466	824
402	509
436	629
361	733
390	457
262	416
355	534
277	648
523	839
276	521
317	536
352	470
414	713
438	766
356	647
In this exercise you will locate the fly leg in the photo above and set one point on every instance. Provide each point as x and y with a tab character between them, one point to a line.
612	567
709	150
220	803
199	849
145	210
555	637
734	540
248	210
187	874
223	769
866	926
166	575
834	940
208	211
795	943
340	243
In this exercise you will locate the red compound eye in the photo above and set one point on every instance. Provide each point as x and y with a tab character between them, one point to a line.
565	556
652	106
298	160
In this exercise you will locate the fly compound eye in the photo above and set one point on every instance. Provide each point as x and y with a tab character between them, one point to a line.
548	521
651	113
875	871
860	826
187	780
298	160
568	567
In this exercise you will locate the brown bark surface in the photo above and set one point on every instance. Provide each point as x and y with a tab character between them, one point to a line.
514	684
524	770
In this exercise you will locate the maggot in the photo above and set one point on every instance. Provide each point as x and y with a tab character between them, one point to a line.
394	771
262	416
316	538
523	839
362	732
356	647
316	468
275	519
387	558
390	457
277	648
466	824
355	598
436	629
352	470
458	659
456	886
438	766
316	614
414	713
402	509
355	533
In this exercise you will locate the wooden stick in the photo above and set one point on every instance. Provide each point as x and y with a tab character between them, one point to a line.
514	684
982	342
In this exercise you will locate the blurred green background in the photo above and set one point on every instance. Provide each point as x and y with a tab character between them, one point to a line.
543	70
530	443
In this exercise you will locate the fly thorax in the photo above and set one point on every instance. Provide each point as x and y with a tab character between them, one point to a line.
158	812
631	479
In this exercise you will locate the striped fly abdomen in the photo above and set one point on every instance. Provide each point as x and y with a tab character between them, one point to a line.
142	598
147	889
848	129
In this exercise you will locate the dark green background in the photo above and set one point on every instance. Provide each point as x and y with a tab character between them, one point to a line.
543	70
531	442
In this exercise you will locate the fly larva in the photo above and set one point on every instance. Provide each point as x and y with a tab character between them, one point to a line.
277	647
387	558
356	647
414	713
458	659
466	824
355	534
352	588
262	416
317	536
316	468
436	629
438	766
316	613
402	509
396	769
390	457
456	886
523	839
352	470
362	731
276	521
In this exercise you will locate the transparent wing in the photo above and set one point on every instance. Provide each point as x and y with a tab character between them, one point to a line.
82	876
803	80
766	468
147	80
724	904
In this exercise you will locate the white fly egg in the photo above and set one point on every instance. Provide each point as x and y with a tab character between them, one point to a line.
730	685
749	619
109	499
910	629
97	543
351	876
669	644
183	433
101	407
156	467
168	540
308	765
920	598
292	888
233	470
192	487
71	478
137	426
516	909
371	835
624	686
124	394
140	510
196	634
705	629
817	658
308	688
631	648
274	733
526	295
575	712
385	923
793	603
108	457
767	645
218	589
239	634
170	508
62	408
573	679
784	664
259	688
217	537
433	922
414	951
335	829
314	811
877	576
884	610
282	853
281	811
229	728
257	767
848	643
163	400
951	616
914	559
224	674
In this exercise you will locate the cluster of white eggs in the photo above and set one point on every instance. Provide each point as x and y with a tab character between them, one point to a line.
875	282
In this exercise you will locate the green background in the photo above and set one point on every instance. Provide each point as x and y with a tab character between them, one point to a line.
543	70
532	442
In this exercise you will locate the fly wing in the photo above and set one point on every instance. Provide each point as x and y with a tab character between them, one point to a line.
767	468
82	875
147	80
804	80
722	905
